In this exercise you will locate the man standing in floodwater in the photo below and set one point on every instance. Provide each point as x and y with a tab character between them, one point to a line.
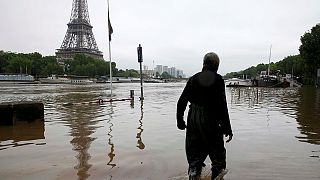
208	118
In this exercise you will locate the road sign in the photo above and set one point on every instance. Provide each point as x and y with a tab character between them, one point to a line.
139	49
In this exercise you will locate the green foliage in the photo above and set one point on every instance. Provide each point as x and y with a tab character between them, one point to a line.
128	73
87	66
48	66
157	74
166	75
304	65
17	63
38	65
251	72
291	64
310	52
285	66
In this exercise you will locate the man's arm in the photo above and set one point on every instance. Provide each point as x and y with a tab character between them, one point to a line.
225	120
181	106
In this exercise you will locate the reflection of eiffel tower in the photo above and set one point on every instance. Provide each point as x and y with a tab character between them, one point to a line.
82	123
79	38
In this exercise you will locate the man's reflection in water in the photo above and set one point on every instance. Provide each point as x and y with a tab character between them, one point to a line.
140	129
308	113
111	154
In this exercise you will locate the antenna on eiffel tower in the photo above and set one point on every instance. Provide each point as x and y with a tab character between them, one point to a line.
110	31
79	38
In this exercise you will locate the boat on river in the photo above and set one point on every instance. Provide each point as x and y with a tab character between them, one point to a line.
16	79
66	79
265	80
237	82
104	79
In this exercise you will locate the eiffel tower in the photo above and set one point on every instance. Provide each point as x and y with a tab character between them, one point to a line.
79	38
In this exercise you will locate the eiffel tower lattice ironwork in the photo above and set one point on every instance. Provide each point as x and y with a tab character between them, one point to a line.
79	38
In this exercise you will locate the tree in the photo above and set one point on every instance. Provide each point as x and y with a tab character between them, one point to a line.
157	74
87	66
310	50
166	75
16	64
128	73
38	65
132	73
291	63
286	66
50	66
4	61
113	68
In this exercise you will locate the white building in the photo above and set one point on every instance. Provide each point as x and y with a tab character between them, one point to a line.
159	69
180	73
173	72
165	69
145	67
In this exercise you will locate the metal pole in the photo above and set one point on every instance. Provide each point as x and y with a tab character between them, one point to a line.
140	60
110	68
141	81
131	94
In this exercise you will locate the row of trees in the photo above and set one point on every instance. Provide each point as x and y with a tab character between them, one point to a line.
39	66
32	63
303	65
81	65
286	66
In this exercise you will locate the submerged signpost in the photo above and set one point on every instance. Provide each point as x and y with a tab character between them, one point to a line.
140	60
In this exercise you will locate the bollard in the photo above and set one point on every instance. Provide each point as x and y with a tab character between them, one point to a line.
132	98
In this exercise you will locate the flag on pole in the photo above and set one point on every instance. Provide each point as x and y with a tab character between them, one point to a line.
109	26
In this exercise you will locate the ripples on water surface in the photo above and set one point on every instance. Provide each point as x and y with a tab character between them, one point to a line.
277	134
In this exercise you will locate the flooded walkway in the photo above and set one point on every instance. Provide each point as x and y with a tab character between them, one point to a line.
276	134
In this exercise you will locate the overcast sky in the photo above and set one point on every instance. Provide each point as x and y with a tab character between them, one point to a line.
176	33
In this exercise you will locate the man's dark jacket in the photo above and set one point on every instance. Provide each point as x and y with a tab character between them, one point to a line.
206	89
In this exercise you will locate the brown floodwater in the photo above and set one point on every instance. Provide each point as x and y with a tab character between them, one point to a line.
276	134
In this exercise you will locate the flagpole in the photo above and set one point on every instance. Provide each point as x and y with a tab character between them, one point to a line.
110	68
